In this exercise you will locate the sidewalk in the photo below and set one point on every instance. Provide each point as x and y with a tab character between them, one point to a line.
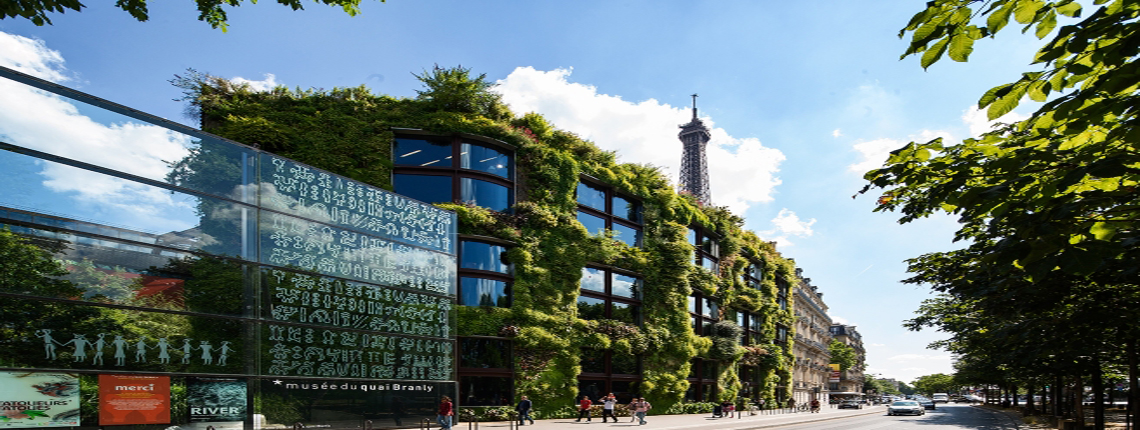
688	422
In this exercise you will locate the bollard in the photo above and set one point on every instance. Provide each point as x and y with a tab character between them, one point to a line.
367	425
425	424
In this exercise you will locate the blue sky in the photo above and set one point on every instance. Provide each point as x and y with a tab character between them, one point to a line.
803	97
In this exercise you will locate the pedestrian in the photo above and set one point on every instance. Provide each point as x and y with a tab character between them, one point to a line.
632	410
641	409
815	406
523	409
584	409
608	404
446	411
729	408
792	404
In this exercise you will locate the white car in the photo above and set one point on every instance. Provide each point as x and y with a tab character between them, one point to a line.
940	397
905	407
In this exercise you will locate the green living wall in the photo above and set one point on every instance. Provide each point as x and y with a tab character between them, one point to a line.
348	131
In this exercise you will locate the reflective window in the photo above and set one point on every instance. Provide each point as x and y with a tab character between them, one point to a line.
425	188
625	364
626	208
422	152
591	197
483	292
708	263
626	286
485	159
485	194
590	308
593	360
626	313
593	279
594	224
711	308
628	235
484	353
692	304
484	391
483	256
692	237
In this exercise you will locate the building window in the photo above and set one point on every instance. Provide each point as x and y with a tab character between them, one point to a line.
485	366
702	381
753	275
704	311
781	335
608	294
782	294
750	324
600	209
706	250
484	274
425	170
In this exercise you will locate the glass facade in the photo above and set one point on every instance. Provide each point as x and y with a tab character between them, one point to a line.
599	209
425	170
706	251
425	188
608	294
484	292
483	256
217	270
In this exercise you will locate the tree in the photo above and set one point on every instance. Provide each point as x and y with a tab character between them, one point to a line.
936	383
210	11
454	90
1049	205
842	355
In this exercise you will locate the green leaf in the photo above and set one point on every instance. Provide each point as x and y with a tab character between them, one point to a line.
1103	230
934	53
961	45
1027	10
1046	25
993	94
997	20
1007	103
1070	9
1039	91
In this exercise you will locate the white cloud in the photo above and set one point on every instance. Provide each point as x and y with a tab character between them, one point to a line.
910	358
49	123
836	319
31	56
269	83
836	133
978	122
742	171
874	153
787	224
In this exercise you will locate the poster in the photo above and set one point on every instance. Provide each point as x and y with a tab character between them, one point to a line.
216	399
30	399
134	399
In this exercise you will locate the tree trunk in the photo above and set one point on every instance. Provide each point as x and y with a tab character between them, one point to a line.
1013	392
1098	397
1133	383
1056	396
1030	405
1078	401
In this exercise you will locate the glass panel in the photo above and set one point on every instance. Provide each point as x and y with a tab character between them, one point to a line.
292	350
485	194
708	392
625	364
321	300
484	353
293	242
73	129
692	237
284	402
81	200
628	235
624	391
691	393
738	316
708	369
593	279
710	246
626	286
710	309
305	192
106	271
594	224
427	189
593	360
692	305
783	302
627	313
483	256
72	335
709	264
484	292
756	322
591	196
484	159
590	308
422	152
593	389
627	209
484	391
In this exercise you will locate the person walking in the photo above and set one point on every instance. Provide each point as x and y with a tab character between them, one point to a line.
641	409
446	411
632	410
524	410
608	404
814	406
584	409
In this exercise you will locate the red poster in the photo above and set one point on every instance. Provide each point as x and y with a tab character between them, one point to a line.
134	399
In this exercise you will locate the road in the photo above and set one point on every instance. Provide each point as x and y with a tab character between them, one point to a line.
946	417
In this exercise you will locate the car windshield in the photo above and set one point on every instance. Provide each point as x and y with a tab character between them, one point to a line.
906	403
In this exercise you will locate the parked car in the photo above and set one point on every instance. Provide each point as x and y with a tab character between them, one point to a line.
905	407
850	404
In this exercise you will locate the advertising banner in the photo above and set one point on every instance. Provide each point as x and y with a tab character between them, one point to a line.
134	399
216	399
29	399
834	372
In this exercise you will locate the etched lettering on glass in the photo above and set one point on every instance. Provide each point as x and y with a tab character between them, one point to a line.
307	351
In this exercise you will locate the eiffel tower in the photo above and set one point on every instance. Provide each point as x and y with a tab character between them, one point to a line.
694	166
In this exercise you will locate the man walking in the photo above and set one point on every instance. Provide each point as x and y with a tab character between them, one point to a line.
524	410
584	409
608	407
641	408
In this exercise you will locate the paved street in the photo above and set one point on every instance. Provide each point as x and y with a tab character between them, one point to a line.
946	417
